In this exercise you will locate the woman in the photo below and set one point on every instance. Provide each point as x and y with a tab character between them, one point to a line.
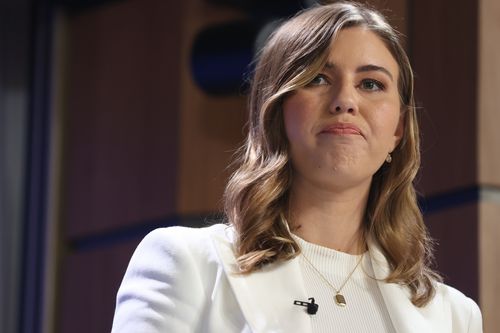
324	233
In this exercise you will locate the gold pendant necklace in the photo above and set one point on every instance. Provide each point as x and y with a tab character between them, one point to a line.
339	298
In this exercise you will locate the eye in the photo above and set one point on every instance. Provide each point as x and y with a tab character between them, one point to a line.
318	80
372	85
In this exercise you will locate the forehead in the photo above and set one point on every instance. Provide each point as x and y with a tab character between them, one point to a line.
359	46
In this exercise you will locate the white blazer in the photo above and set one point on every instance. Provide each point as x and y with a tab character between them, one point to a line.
183	280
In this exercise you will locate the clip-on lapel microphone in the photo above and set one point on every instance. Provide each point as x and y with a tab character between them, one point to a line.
312	307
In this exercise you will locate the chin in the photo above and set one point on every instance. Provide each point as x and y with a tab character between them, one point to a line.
347	175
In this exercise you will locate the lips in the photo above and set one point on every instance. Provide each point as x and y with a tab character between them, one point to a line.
341	129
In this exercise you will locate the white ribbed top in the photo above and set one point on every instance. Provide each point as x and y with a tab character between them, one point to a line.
365	310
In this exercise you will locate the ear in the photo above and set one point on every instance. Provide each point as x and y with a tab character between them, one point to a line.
398	134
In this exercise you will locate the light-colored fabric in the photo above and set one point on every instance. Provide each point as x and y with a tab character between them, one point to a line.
360	290
185	280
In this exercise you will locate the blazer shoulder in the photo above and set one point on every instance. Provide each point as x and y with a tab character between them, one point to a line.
464	310
189	236
179	240
172	273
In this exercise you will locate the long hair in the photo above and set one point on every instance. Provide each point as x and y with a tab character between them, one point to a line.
257	194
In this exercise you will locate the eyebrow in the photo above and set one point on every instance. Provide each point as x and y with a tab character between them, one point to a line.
366	68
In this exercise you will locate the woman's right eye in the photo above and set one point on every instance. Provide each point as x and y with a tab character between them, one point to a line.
318	80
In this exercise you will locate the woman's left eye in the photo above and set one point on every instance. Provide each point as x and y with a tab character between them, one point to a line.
372	85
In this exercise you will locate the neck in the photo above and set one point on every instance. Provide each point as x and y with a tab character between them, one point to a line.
330	218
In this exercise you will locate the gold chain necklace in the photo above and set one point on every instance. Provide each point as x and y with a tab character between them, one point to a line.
339	298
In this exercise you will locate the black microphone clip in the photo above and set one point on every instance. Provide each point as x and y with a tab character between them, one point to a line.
312	307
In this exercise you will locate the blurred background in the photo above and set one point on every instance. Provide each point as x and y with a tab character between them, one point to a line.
118	117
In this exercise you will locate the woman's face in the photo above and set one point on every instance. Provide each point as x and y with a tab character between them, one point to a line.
342	125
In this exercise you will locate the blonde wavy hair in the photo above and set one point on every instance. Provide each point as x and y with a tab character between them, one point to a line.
257	194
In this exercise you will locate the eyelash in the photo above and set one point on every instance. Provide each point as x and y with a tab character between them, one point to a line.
380	85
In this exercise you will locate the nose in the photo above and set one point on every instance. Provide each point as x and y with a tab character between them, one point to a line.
344	101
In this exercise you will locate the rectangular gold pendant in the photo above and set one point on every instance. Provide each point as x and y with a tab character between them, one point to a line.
340	300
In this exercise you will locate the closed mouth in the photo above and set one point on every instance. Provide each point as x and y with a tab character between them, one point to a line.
341	129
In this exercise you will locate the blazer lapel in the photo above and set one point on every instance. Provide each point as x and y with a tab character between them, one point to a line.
266	296
406	317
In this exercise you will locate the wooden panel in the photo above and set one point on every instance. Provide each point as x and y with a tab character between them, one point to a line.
122	115
489	98
443	52
89	282
211	128
489	161
457	253
489	263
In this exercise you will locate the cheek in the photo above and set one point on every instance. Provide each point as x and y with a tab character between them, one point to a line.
385	124
387	117
296	117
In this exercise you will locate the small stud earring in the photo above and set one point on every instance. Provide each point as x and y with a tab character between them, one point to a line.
388	159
